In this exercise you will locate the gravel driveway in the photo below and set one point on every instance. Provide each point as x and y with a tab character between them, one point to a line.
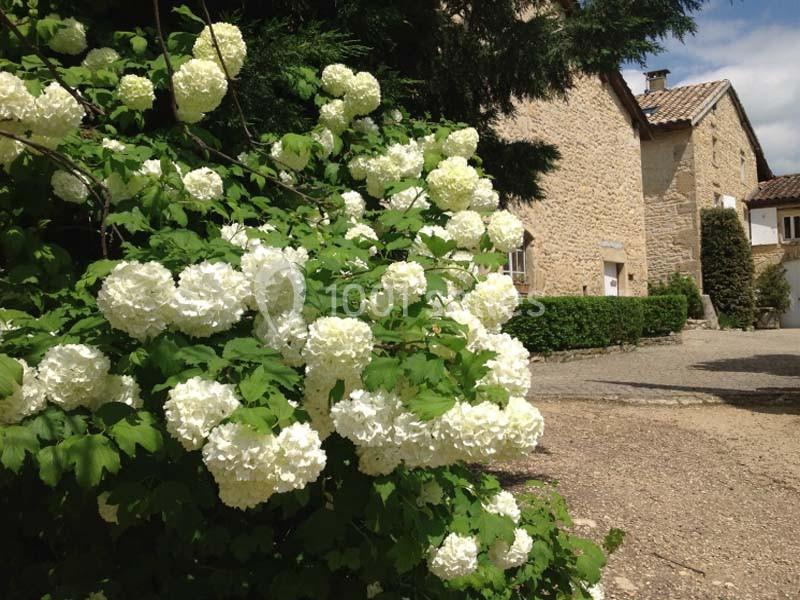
709	495
708	366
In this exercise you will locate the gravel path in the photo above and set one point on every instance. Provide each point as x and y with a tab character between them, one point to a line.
708	366
709	495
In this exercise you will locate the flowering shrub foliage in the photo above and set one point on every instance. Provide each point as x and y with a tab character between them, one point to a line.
272	380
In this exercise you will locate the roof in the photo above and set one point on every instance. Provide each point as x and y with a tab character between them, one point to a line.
774	192
686	106
688	103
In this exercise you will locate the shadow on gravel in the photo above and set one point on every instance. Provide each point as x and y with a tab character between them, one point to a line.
782	365
765	399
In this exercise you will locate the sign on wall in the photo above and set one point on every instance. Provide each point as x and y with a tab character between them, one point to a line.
764	226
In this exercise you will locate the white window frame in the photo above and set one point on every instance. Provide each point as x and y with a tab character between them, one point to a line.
517	270
792	233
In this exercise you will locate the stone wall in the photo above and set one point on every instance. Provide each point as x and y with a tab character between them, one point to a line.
721	172
673	238
594	209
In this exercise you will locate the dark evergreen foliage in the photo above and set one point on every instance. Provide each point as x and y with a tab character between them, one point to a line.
727	266
773	289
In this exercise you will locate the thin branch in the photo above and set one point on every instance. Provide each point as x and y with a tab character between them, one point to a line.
198	141
165	53
90	106
62	160
231	83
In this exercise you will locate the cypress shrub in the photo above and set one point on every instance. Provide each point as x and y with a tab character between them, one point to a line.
727	266
684	285
773	289
664	314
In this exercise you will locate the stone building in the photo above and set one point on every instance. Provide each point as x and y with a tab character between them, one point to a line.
774	215
703	153
587	237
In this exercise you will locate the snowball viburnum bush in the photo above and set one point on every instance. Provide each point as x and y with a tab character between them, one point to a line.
288	358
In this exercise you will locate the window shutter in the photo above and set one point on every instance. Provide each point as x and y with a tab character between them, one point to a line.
764	226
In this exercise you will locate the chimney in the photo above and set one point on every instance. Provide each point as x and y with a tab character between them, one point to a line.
657	80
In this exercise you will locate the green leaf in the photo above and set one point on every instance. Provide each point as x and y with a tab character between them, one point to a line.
187	13
52	464
137	429
384	488
255	385
590	559
15	442
428	404
438	246
10	375
382	372
419	369
90	456
134	221
406	553
492	527
259	418
613	540
138	44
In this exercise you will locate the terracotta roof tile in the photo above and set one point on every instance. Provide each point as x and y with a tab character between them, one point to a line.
679	104
772	192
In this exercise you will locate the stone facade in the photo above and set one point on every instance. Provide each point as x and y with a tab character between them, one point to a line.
783	251
686	170
593	211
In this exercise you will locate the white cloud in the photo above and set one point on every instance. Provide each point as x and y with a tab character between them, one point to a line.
635	80
760	61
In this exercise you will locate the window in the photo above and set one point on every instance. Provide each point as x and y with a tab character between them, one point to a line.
714	150
515	267
742	167
791	228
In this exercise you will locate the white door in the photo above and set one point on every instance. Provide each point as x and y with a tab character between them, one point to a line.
611	277
792	317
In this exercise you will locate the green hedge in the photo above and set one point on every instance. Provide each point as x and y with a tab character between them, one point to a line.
680	284
566	323
664	314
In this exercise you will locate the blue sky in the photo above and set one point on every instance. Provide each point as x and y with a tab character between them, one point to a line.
755	44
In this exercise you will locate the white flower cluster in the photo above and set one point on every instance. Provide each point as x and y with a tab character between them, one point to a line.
249	467
69	187
463	143
400	161
466	228
503	503
509	369
100	58
361	95
200	86
484	198
354	205
50	117
508	557
195	407
74	375
138	298
505	231
456	557
236	234
57	113
338	347
232	47
210	298
69	38
387	434
136	92
452	184
203	184
404	282
493	301
412	197
26	399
